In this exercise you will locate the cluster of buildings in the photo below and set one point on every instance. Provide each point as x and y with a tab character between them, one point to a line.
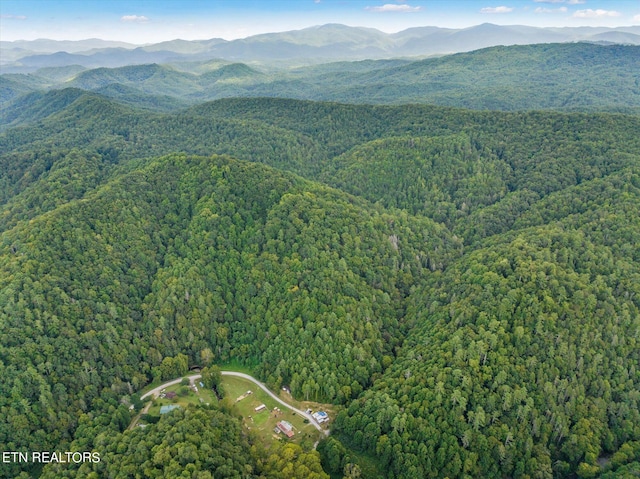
282	427
286	428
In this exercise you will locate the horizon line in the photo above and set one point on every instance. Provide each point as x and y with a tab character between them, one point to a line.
324	25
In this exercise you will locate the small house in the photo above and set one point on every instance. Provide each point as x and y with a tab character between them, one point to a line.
286	428
320	416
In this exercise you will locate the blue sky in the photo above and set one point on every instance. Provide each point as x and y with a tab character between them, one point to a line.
148	21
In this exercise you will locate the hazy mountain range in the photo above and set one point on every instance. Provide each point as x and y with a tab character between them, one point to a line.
310	45
562	76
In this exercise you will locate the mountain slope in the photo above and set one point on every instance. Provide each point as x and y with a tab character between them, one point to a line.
38	105
212	257
567	77
521	358
513	355
500	156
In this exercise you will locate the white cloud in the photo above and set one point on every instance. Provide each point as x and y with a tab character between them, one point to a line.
549	1
576	2
551	10
496	10
390	7
636	19
599	13
13	17
134	18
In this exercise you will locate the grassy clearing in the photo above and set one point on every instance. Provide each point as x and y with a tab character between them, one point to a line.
203	396
330	409
263	423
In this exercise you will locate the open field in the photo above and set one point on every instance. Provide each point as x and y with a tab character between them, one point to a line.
264	422
245	396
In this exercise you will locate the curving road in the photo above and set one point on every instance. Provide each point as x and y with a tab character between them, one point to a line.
276	398
156	392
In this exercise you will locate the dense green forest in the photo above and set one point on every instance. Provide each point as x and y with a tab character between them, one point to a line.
205	443
192	260
559	76
465	285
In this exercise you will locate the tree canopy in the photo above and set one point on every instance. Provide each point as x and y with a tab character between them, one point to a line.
464	286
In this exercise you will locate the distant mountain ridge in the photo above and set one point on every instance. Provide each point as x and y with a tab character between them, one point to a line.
565	76
321	43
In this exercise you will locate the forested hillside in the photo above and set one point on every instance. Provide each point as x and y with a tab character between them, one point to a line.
567	77
188	260
524	356
464	284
